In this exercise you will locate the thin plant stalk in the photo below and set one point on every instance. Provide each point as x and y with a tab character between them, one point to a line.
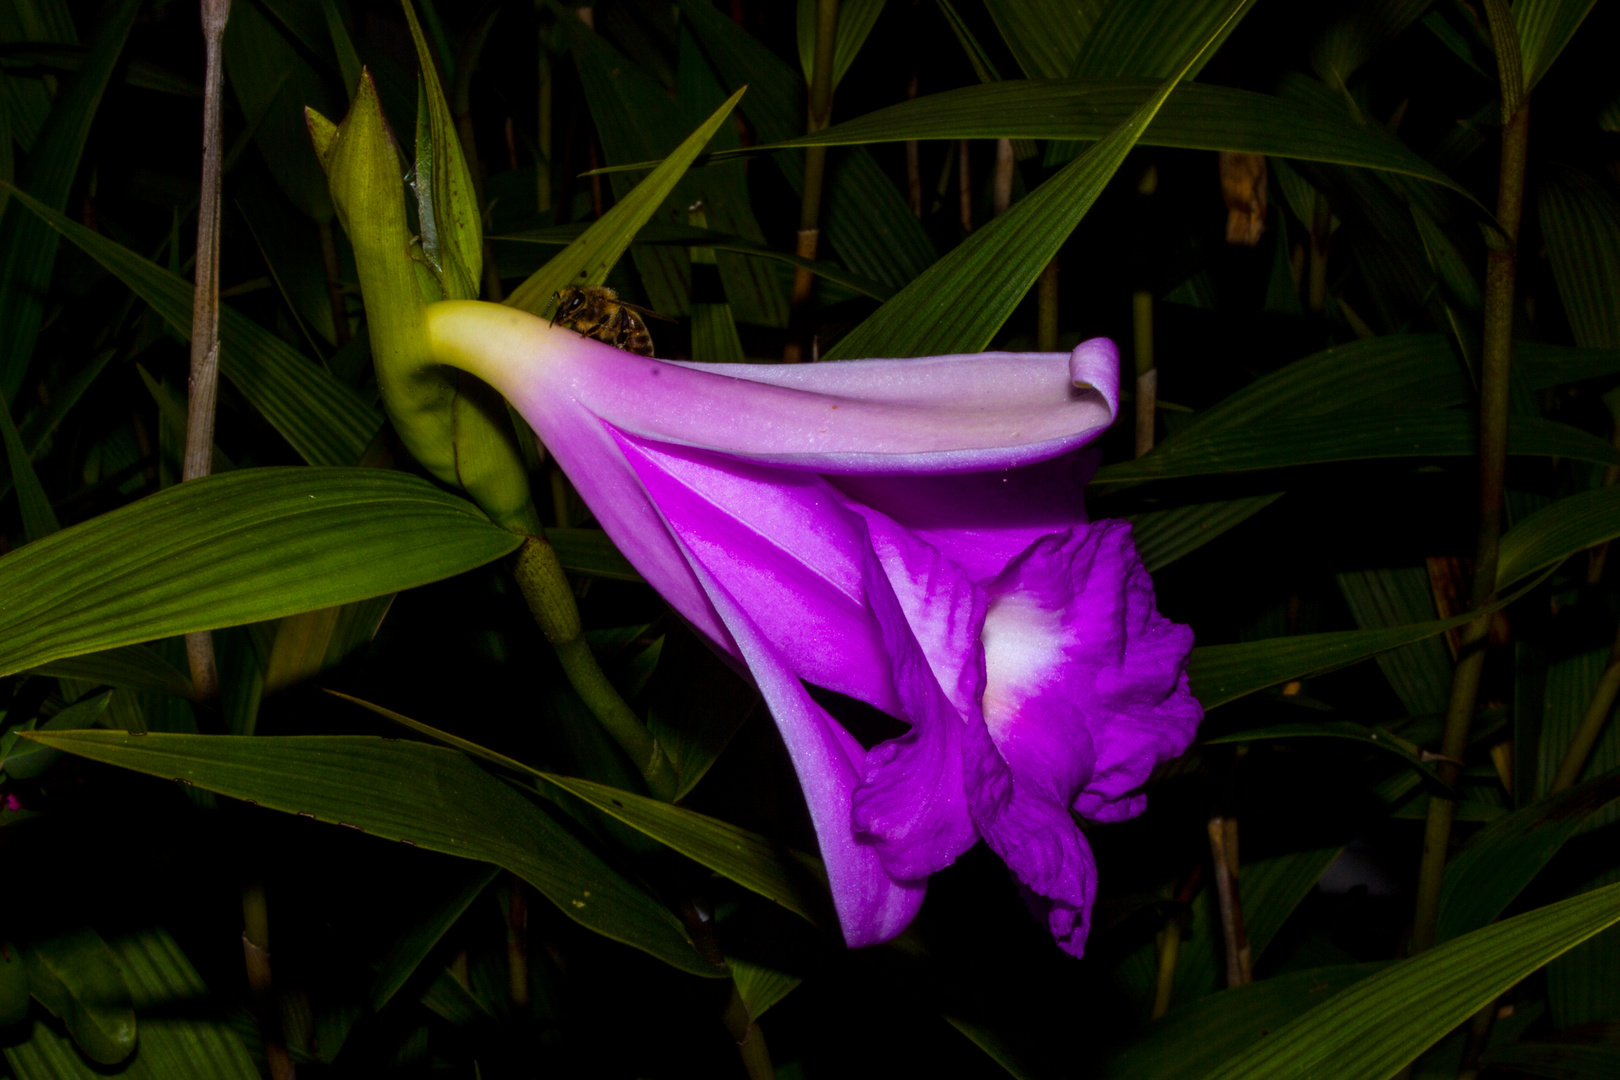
334	283
203	388
1592	724
544	585
1223	849
1316	275
1147	372
913	160
543	135
1169	951
1046	309
815	172
1496	359
750	1039
1001	189
517	944
256	958
965	184
461	105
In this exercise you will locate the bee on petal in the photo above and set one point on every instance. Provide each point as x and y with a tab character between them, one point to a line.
596	311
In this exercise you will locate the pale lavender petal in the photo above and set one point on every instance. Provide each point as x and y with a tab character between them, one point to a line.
929	414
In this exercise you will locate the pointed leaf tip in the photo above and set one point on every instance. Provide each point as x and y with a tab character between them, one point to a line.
323	133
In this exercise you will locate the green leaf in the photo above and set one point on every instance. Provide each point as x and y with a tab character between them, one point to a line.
1385	1021
1045	36
135	667
407	952
446	201
588	259
1222	673
324	420
855	21
38	518
1152	39
27	246
1538	367
77	977
1556	1061
959	303
1163	536
660	232
760	986
1194	117
696	705
1286	442
27	761
13	985
424	795
1580	222
1505	856
250	545
348	60
863	217
745	857
1195	1038
1554	533
750	860
1339	729
274	82
590	552
755	290
1545	27
1420	673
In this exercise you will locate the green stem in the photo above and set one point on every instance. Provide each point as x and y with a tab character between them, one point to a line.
1046	309
1592	724
750	1040
815	170
1496	359
1169	943
256	958
203	388
545	587
1147	374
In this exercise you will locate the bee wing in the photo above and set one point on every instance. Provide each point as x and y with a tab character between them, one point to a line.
639	310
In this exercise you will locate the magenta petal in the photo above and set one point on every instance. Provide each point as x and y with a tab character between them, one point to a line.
1072	633
873	906
980	521
912	800
782	540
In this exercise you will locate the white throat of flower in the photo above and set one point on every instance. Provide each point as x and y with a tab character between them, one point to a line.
1023	649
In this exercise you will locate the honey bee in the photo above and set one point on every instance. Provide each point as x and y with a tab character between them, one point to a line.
596	311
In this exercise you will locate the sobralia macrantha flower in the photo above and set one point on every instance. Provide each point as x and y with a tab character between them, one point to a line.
911	533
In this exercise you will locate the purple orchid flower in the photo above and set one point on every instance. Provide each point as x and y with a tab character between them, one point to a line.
911	533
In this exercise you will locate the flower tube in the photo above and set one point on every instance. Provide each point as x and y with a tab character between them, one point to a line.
911	533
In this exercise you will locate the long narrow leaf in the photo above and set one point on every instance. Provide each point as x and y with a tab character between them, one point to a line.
959	303
1194	117
588	259
423	795
250	545
1505	856
1371	1030
27	247
1313	440
324	420
747	858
